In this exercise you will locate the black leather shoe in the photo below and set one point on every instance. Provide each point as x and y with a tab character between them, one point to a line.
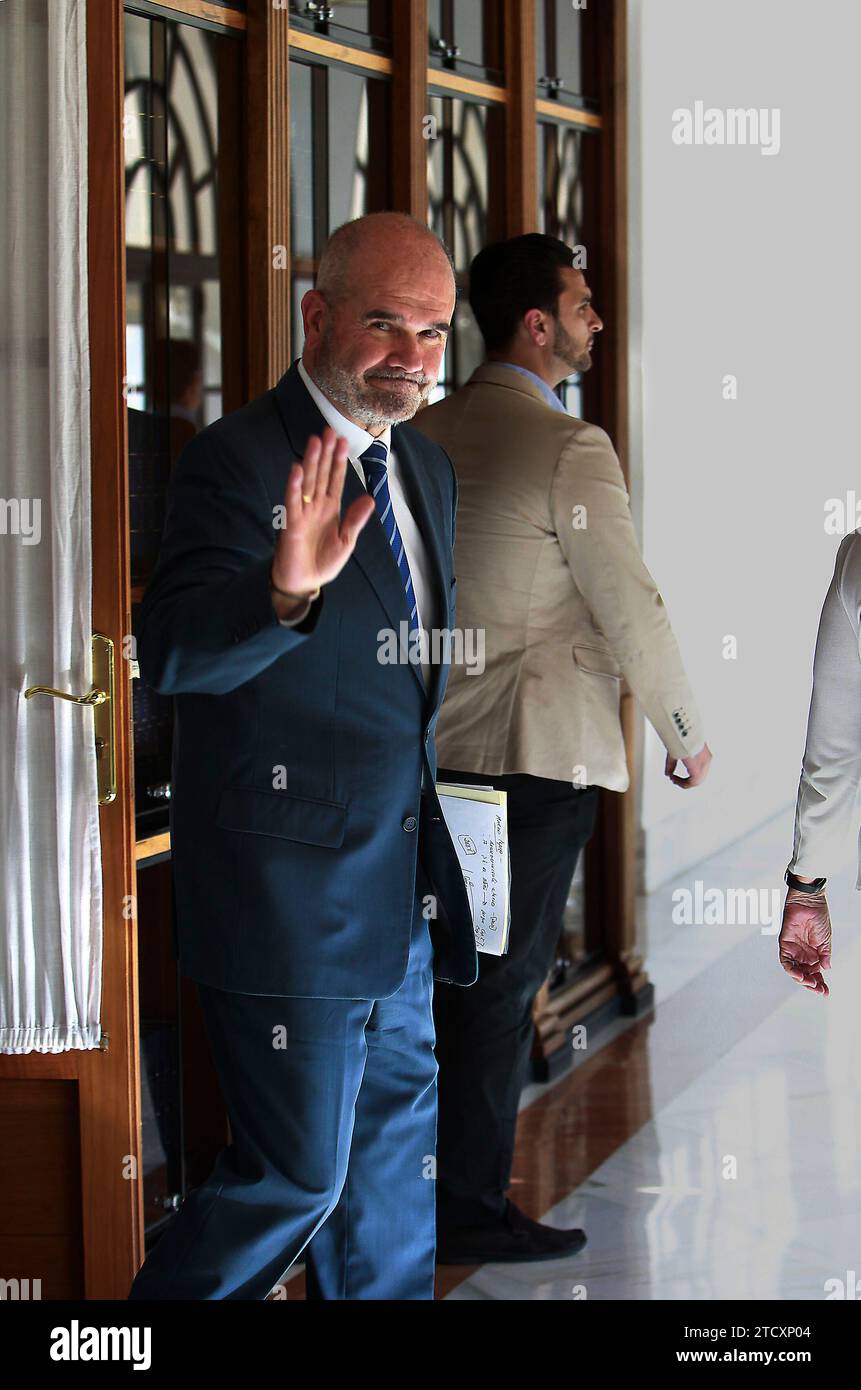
514	1239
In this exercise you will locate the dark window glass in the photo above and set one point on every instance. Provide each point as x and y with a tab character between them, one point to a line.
363	23
358	119
467	35
567	193
461	183
337	117
301	161
458	176
184	199
566	52
561	181
183	316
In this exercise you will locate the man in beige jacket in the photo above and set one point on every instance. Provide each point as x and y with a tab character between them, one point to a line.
549	568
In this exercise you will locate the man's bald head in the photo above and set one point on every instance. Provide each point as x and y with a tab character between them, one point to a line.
375	240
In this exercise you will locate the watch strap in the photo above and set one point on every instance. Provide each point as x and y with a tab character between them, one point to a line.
795	883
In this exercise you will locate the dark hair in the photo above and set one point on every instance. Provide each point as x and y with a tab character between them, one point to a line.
508	278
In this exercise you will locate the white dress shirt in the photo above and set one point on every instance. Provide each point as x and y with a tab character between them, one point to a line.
359	440
831	771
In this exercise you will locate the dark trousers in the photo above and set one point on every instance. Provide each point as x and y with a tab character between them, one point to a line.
332	1106
484	1033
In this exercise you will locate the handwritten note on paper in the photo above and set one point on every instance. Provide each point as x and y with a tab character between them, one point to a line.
477	822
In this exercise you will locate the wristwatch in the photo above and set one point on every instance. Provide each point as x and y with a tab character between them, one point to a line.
815	887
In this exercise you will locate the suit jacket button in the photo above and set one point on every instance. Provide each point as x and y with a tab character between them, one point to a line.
410	823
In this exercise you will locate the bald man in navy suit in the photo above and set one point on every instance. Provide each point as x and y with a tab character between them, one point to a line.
318	892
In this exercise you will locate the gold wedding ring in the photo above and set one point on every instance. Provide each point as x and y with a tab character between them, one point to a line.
306	498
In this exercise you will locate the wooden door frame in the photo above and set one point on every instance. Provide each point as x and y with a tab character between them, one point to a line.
111	1104
106	1079
268	273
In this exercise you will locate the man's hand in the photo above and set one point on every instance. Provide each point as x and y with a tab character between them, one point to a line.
314	545
697	767
805	939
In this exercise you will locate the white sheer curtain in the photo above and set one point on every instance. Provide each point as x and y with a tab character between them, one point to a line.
50	867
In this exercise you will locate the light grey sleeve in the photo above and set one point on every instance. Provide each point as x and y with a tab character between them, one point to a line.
831	770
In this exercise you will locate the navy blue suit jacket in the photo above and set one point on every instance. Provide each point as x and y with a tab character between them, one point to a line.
307	889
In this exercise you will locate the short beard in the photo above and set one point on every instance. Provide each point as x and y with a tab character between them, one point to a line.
563	347
362	400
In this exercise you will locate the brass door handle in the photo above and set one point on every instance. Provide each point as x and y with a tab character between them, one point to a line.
101	700
95	697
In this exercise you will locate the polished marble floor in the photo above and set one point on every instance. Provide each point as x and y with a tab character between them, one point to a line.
713	1149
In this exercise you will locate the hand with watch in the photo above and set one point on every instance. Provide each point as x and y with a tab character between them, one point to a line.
804	943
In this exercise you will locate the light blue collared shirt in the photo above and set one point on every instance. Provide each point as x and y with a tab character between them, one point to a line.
547	392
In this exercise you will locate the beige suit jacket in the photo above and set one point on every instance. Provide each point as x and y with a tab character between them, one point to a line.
548	565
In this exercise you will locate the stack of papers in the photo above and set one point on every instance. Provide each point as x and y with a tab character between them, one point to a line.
477	821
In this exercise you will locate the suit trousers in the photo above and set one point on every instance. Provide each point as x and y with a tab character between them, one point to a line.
484	1033
332	1108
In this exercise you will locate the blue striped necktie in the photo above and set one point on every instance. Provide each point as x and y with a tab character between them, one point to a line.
375	461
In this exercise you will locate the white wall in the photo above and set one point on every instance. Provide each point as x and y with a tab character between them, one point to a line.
741	263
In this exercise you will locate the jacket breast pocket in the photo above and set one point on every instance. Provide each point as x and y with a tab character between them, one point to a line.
301	818
597	661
